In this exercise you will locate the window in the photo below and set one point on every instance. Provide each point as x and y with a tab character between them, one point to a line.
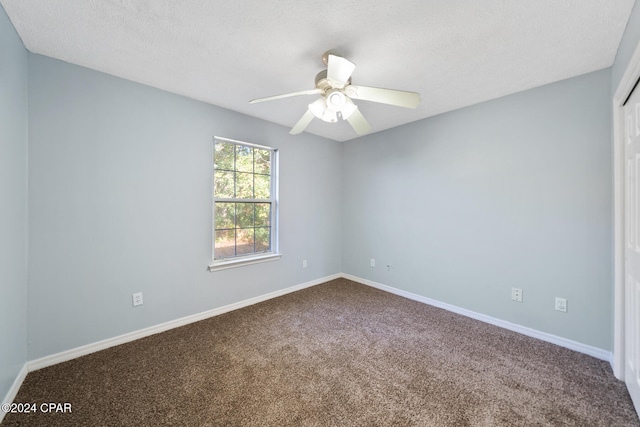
244	203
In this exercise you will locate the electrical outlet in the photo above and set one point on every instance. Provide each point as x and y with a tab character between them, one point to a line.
516	294
373	262
304	263
137	299
561	304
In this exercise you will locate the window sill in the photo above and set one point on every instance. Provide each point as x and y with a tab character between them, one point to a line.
233	263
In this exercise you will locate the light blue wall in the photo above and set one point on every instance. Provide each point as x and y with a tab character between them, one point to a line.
514	192
120	202
13	200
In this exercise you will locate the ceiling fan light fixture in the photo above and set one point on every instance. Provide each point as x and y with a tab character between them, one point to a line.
318	107
348	109
330	116
336	100
320	110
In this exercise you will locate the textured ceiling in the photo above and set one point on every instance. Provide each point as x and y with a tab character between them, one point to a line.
454	53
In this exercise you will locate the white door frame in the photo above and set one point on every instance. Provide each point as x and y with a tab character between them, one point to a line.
627	84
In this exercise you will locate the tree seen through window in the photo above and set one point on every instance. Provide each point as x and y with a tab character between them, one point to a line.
242	200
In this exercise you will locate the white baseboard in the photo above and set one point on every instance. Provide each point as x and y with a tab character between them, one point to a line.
73	353
13	390
596	352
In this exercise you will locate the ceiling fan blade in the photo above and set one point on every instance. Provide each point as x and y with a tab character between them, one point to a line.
384	96
358	122
287	95
302	123
339	70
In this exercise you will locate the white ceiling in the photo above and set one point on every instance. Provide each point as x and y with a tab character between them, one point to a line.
454	53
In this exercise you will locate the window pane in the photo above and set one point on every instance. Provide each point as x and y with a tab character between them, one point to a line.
224	155
262	161
263	214
244	215
225	215
262	186
244	243
263	239
241	173
223	184
244	185
244	158
225	243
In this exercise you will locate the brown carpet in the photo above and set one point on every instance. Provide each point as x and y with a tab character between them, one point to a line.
337	354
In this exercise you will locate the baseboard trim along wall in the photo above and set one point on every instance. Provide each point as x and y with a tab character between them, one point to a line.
13	391
73	353
54	359
596	352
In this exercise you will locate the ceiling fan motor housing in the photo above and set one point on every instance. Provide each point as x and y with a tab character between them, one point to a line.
322	82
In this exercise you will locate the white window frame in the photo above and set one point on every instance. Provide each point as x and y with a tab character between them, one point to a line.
241	260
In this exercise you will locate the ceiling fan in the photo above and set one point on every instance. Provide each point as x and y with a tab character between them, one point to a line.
336	94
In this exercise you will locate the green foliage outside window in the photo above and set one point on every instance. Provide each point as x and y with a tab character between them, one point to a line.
242	193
